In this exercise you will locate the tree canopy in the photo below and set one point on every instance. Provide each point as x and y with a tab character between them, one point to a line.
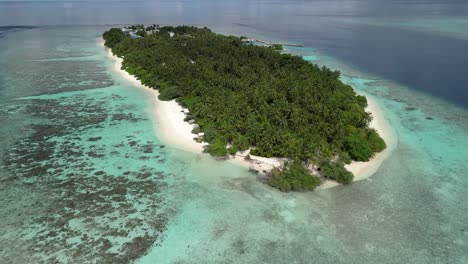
246	96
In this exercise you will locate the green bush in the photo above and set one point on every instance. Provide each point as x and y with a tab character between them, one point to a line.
361	145
376	143
278	47
217	148
344	157
255	152
113	36
358	147
169	93
294	177
232	150
241	142
362	100
211	133
336	171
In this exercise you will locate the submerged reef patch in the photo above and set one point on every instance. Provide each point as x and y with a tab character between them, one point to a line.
63	197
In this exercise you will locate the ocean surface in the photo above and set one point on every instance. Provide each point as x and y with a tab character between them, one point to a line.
84	177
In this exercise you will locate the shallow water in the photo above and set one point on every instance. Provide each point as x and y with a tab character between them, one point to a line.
406	213
83	176
76	183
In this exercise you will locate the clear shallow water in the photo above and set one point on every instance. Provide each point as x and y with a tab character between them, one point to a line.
406	213
83	177
76	184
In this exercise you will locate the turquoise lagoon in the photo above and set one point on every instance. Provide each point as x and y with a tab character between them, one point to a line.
85	178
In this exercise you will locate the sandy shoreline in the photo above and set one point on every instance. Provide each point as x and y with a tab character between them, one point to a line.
363	170
173	130
168	114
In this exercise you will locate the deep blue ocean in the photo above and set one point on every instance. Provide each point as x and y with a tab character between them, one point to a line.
411	42
85	178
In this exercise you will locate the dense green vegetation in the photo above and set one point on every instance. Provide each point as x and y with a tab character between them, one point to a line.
293	177
336	171
278	46
246	96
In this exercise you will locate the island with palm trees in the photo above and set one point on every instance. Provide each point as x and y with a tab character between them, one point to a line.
254	101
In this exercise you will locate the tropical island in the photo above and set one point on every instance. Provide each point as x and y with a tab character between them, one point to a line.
254	100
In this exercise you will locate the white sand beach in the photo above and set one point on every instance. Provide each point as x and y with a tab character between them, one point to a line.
173	130
363	170
169	114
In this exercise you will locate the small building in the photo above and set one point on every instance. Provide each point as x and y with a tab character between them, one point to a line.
133	35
